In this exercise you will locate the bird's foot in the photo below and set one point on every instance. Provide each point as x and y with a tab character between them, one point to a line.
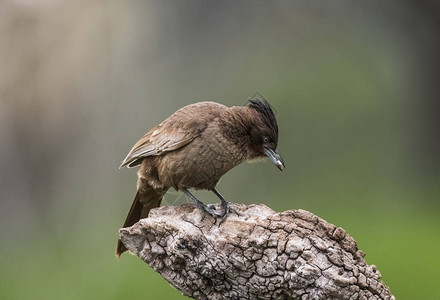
227	209
225	206
202	207
205	209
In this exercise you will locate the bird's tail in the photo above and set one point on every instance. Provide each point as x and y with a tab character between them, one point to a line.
143	202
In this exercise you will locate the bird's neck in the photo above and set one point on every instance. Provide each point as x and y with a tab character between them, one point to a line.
236	123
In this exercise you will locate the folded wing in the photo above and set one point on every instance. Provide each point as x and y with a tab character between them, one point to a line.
173	133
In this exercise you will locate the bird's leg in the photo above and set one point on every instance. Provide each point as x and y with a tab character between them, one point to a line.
205	209
225	205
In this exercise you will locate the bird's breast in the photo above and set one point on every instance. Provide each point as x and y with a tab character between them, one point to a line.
201	163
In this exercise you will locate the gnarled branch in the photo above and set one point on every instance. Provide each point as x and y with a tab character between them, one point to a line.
259	254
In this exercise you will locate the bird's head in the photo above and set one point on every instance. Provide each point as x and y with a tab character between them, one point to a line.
263	132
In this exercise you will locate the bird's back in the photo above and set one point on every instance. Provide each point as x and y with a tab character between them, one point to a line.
175	132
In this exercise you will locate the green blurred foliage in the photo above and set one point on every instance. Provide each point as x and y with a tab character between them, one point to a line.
81	81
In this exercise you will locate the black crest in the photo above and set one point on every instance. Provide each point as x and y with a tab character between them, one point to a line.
263	107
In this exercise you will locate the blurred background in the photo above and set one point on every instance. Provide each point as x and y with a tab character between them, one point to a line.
355	85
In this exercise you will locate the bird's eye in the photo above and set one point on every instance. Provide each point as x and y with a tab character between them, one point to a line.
265	139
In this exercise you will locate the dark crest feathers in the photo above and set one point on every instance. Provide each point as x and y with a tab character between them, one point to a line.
263	107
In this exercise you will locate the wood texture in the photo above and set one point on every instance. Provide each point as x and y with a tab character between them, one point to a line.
259	254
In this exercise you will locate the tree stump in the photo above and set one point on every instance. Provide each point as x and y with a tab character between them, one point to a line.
257	254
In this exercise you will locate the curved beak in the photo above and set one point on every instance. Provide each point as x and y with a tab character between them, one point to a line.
275	157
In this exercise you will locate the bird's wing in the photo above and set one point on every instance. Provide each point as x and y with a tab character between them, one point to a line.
175	132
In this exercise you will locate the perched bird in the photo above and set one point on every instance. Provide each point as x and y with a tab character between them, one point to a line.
196	146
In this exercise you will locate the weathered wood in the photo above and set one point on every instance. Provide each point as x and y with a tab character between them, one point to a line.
259	254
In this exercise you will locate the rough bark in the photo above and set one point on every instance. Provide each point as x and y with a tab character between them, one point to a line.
259	254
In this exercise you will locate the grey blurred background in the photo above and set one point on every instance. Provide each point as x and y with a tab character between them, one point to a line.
356	89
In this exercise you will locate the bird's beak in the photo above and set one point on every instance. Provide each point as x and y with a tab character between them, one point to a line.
275	157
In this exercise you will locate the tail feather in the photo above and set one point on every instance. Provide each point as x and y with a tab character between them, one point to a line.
142	204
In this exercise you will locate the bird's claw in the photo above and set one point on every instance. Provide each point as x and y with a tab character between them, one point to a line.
208	210
202	207
227	209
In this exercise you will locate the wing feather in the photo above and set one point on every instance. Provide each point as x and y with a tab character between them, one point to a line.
175	132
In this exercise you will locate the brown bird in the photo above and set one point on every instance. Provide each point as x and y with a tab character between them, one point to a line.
196	146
